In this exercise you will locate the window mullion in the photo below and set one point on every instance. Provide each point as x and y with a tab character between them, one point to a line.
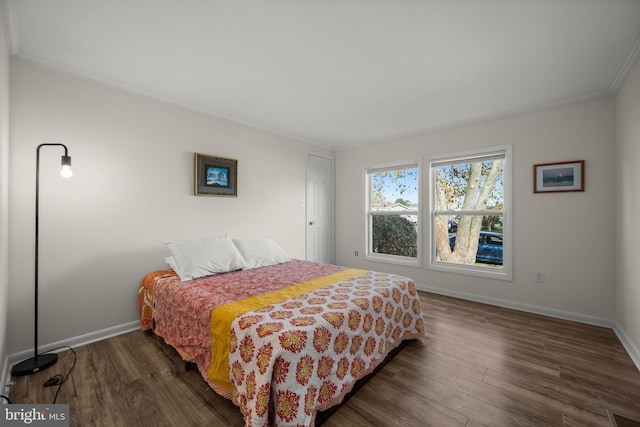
394	213
479	212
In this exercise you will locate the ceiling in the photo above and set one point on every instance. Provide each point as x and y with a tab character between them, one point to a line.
339	73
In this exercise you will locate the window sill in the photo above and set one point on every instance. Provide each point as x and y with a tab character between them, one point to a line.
473	270
390	259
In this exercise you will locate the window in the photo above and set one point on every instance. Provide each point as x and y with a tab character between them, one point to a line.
470	213
393	213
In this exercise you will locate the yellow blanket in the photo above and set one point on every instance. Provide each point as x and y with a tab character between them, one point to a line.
223	316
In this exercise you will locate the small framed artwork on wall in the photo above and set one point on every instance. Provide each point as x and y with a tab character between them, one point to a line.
558	177
215	176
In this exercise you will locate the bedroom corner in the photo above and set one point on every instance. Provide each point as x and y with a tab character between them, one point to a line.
627	291
4	195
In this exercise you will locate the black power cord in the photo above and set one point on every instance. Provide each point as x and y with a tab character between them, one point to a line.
56	380
59	379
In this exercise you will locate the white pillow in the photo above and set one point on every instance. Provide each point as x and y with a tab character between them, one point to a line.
171	262
205	257
261	252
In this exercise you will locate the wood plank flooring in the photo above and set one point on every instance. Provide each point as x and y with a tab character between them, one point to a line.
478	365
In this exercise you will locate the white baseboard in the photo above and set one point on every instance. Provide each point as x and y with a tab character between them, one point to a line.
628	345
4	390
61	346
566	315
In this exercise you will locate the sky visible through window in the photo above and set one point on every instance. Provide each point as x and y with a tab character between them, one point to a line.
394	185
403	184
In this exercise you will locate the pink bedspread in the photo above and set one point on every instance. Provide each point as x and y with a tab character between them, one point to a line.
291	359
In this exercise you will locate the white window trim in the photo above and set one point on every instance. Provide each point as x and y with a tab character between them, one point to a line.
393	259
506	273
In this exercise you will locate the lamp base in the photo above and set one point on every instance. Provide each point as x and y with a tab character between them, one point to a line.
33	365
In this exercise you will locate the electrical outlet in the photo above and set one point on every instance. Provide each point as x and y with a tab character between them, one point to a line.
355	253
540	277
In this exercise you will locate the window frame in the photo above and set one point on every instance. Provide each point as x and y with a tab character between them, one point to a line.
506	273
368	213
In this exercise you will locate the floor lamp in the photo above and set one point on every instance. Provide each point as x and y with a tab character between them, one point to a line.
40	362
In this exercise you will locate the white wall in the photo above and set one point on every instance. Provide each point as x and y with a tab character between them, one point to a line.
4	188
570	236
628	210
132	157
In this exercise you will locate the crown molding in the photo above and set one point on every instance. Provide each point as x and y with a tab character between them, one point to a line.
626	67
63	69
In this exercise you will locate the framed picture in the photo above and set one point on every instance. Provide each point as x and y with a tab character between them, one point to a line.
215	176
555	177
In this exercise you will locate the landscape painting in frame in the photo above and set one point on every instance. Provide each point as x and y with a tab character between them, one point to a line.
215	176
557	177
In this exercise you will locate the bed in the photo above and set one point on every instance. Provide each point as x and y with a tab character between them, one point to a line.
283	339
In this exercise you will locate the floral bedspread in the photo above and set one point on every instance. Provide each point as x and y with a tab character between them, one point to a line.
180	312
289	359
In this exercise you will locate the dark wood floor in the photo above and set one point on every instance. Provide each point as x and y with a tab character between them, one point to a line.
479	365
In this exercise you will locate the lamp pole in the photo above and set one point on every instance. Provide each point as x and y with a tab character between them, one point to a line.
43	361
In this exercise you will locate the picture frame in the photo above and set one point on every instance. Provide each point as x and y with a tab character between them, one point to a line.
215	176
558	177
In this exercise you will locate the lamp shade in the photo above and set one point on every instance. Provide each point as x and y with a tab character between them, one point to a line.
65	170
